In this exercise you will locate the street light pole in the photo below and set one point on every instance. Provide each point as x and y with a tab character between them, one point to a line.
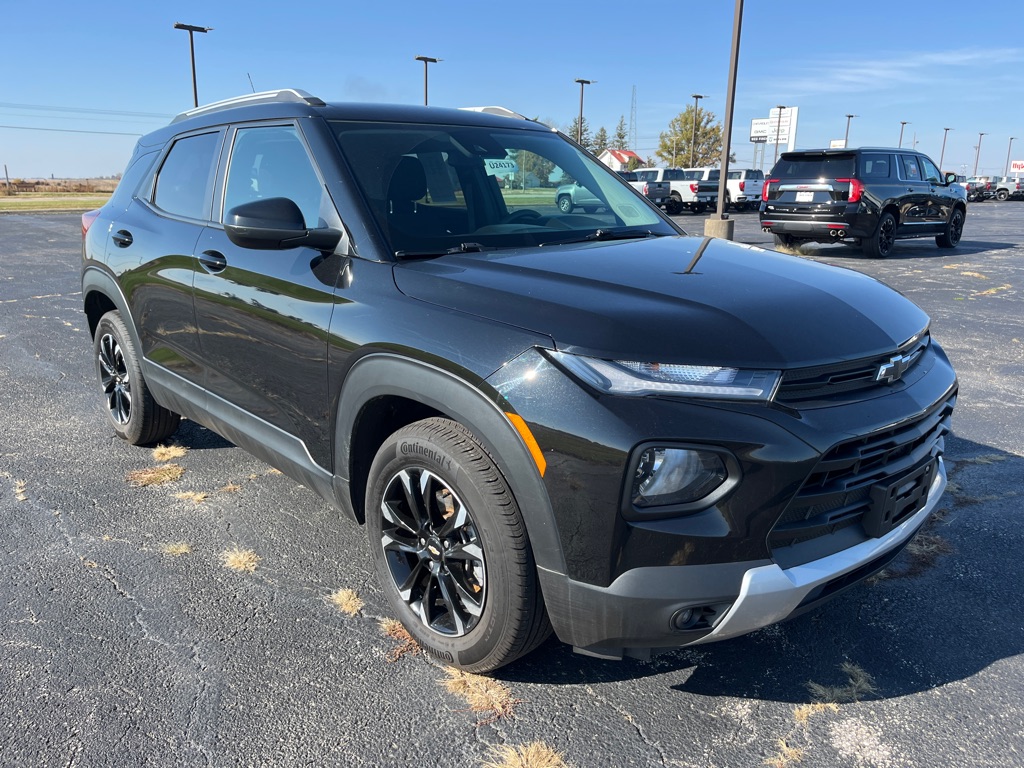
977	154
942	155
903	124
720	225
192	53
778	130
693	139
1006	168
579	125
846	138
427	60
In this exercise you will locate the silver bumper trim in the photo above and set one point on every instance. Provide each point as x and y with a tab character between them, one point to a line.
769	594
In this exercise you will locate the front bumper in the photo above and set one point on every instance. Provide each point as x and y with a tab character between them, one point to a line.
640	610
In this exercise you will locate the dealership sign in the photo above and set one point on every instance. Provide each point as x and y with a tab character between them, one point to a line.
1017	166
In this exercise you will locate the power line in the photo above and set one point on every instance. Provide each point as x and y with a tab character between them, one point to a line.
85	110
67	130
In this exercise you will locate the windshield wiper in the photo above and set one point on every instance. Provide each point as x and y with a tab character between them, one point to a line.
610	234
460	248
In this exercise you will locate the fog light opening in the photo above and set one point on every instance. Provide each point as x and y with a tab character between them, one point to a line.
697	617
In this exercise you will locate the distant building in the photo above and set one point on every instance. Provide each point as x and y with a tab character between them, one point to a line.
618	159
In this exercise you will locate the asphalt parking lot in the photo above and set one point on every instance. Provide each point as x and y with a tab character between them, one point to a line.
119	649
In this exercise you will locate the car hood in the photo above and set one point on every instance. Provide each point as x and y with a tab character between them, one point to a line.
646	300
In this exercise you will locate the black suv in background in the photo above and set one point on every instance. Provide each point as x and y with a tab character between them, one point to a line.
585	422
870	197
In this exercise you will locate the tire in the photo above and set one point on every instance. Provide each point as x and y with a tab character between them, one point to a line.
954	230
699	208
880	244
673	206
131	410
451	549
1002	195
565	204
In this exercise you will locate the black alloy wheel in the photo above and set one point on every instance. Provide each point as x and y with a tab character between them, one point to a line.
129	405
954	230
880	245
450	547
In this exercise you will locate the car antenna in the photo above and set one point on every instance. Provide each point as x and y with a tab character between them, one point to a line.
250	82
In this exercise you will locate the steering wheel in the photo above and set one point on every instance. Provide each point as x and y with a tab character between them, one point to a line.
523	215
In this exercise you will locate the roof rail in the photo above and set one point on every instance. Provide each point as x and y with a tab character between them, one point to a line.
504	112
285	95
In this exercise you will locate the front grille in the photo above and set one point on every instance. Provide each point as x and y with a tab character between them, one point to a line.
801	386
838	493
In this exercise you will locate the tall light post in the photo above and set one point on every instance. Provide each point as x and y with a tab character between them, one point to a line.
903	124
693	139
1006	168
579	125
846	138
942	154
778	129
977	153
192	53
427	61
720	225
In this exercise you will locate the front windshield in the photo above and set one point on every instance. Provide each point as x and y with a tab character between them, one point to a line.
435	188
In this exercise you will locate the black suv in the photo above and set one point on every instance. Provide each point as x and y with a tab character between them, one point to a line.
590	422
867	196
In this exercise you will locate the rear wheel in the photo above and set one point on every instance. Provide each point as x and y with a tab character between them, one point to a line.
699	208
673	206
451	549
1002	195
954	230
880	245
130	408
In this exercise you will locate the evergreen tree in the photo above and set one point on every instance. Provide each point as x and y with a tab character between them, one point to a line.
600	141
621	138
587	140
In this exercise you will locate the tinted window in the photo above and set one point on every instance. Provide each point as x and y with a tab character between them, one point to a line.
814	167
911	169
931	173
693	175
271	161
673	174
185	181
647	175
875	166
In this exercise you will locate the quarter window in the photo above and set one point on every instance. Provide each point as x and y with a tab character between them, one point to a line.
875	166
185	180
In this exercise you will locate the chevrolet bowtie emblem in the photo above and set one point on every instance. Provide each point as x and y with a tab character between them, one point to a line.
894	369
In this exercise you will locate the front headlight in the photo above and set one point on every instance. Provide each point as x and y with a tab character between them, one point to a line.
624	377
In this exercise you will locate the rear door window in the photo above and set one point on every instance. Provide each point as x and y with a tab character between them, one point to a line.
910	168
184	184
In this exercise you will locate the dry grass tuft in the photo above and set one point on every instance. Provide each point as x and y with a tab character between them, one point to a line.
803	713
164	453
19	490
406	645
536	754
194	496
90	563
787	756
229	488
175	548
484	695
859	684
346	601
239	559
165	473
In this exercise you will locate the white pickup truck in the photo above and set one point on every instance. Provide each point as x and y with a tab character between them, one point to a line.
742	188
683	183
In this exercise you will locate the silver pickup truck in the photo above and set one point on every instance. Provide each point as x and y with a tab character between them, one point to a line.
575	195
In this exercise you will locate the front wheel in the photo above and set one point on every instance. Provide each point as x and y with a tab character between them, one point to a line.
673	206
565	204
451	549
1002	195
130	408
880	245
699	208
954	230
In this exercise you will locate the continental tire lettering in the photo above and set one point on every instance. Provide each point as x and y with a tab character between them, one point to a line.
415	448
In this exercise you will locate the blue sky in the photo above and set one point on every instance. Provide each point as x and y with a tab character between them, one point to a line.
77	73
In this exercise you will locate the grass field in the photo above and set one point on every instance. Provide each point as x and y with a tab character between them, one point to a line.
46	201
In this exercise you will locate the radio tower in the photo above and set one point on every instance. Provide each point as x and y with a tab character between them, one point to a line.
632	122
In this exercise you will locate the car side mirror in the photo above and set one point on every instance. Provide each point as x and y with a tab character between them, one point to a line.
275	224
950	179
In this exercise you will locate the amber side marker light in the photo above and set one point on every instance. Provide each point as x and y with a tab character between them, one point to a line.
531	442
